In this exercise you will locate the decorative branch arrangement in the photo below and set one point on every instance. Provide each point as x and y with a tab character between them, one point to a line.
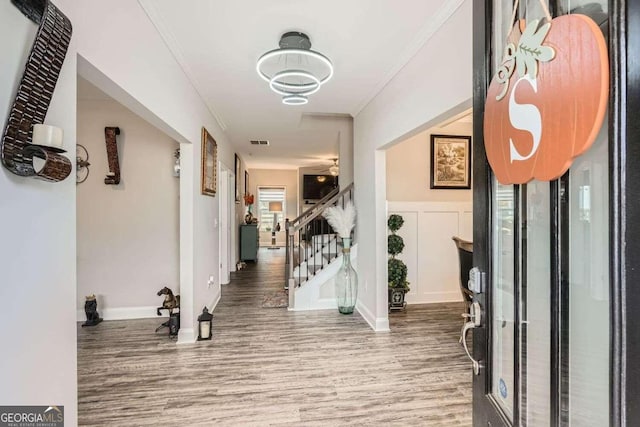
34	96
113	176
342	220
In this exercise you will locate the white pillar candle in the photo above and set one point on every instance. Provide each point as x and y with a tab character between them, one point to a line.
49	136
205	330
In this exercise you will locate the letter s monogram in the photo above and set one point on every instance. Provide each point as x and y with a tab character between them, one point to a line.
525	117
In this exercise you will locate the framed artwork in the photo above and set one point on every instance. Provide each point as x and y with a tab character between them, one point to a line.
237	179
209	164
450	162
246	182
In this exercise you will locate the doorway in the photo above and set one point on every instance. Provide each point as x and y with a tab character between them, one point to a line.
272	205
226	223
127	232
431	216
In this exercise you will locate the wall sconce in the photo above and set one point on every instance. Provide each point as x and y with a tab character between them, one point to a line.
82	164
176	166
204	325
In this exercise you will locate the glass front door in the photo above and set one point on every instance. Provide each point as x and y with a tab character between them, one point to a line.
544	344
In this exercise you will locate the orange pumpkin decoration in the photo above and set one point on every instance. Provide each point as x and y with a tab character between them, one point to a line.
543	122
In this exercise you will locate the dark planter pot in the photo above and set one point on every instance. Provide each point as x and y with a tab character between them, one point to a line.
396	299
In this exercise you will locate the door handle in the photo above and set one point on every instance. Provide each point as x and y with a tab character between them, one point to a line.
475	320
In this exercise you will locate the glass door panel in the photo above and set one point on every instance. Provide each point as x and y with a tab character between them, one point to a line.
588	318
503	297
535	305
588	333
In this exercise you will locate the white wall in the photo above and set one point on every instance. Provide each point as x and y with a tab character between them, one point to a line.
37	248
343	140
429	253
414	100
128	234
409	168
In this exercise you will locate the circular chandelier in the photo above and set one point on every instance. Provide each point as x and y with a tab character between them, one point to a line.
294	71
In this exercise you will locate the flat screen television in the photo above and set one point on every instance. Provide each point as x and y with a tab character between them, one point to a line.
315	187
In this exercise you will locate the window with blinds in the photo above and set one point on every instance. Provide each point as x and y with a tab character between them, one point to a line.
271	205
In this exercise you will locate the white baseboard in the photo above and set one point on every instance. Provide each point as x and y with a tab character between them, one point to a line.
434	297
321	304
124	313
215	302
380	324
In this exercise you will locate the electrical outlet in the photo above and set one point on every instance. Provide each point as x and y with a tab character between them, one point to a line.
211	282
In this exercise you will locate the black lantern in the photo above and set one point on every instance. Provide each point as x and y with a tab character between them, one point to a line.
204	325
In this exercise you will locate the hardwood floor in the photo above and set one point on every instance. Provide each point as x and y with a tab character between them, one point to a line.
269	366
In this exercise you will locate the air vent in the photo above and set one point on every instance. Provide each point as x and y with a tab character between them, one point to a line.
259	142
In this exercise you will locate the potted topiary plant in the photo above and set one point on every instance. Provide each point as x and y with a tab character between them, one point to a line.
397	270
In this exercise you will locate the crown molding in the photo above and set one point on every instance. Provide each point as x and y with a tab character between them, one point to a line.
174	47
426	32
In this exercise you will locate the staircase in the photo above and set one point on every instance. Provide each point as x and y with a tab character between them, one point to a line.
313	253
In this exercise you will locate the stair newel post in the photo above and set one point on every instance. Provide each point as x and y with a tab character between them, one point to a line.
290	257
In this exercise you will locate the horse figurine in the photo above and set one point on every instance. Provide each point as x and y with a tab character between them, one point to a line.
171	301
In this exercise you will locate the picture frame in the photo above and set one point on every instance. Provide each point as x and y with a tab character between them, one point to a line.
246	182
237	168
209	174
450	162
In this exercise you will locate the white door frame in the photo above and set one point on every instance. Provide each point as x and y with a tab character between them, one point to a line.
232	251
223	225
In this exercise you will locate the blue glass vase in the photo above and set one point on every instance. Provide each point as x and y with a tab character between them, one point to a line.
346	281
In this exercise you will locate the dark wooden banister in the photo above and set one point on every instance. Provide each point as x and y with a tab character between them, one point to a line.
318	209
315	206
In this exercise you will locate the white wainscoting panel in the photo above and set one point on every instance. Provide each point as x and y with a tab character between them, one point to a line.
430	254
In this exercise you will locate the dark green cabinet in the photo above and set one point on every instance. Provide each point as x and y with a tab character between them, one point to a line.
249	242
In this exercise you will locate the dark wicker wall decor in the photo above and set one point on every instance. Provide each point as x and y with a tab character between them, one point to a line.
34	95
113	177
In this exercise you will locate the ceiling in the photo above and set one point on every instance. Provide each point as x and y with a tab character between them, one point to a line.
217	43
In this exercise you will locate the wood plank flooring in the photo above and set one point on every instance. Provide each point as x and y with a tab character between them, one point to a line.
272	367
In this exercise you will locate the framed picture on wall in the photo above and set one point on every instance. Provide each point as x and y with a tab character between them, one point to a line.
450	162
246	182
237	175
209	164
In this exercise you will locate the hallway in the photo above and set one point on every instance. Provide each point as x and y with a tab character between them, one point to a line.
268	366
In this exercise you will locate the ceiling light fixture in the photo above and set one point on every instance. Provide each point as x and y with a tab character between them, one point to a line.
294	100
294	70
334	170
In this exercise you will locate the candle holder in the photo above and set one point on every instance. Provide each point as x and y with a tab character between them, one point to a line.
18	151
204	325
